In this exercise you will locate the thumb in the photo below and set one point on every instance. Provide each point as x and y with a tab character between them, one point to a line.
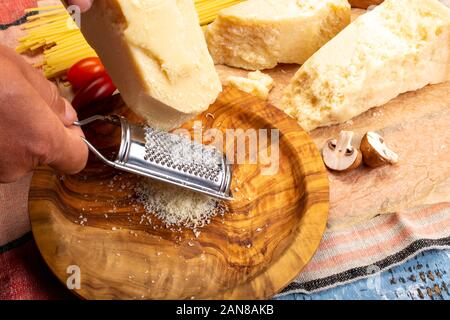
71	153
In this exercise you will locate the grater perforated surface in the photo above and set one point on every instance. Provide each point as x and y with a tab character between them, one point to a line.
179	153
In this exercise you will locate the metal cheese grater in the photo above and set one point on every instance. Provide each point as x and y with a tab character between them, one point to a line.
168	157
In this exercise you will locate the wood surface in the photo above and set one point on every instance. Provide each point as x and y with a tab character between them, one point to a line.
271	231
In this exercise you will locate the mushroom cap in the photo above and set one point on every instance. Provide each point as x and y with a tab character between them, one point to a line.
375	151
340	155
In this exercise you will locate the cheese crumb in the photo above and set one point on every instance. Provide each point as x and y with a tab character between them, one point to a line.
256	83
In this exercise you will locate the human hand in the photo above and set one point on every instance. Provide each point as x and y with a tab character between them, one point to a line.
35	122
83	4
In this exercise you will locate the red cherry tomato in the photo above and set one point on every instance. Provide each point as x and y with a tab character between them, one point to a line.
85	72
100	89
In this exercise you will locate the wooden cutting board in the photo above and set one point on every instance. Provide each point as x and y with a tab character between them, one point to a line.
272	230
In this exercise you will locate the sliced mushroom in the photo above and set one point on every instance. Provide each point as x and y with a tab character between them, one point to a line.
375	151
340	155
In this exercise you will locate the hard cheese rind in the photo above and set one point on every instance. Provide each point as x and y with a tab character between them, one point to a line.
154	51
259	34
400	46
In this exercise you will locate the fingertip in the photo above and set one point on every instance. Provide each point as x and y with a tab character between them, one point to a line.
84	5
81	149
70	114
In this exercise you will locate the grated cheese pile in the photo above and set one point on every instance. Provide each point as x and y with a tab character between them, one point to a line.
177	207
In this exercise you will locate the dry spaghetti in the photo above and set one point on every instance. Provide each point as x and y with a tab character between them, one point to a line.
53	30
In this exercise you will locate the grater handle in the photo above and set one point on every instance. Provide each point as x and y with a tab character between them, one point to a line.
98	154
112	119
90	146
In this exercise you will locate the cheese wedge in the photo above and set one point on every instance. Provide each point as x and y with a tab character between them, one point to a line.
259	34
155	52
400	46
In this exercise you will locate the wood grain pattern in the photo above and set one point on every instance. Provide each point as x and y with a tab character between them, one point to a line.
272	230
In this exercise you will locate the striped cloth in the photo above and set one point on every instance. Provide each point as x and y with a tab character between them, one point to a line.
345	255
372	246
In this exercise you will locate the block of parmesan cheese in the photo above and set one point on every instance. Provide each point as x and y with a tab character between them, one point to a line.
259	34
400	46
155	52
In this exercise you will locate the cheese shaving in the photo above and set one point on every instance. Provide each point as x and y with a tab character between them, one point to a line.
177	207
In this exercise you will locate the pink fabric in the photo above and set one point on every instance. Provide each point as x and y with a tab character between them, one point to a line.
14	220
24	276
11	10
